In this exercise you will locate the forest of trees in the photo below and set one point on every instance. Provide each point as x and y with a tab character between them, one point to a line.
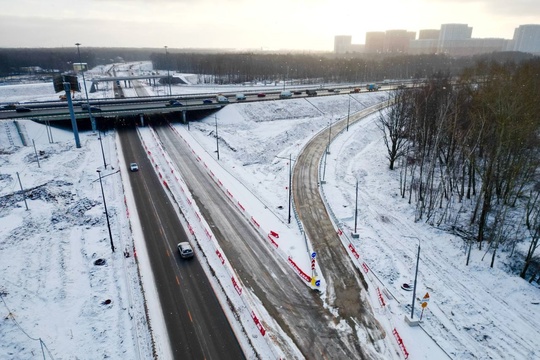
241	67
468	152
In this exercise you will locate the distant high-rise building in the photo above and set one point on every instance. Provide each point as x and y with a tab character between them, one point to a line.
375	41
397	41
527	39
429	34
451	39
342	44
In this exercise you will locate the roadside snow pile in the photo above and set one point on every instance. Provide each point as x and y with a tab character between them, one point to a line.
55	301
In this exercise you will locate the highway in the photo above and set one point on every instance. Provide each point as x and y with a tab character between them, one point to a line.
196	325
58	110
297	309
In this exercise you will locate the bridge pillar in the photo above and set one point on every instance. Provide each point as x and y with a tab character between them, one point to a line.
67	89
142	119
184	119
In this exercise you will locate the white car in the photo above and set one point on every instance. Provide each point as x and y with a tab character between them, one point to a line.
133	167
185	250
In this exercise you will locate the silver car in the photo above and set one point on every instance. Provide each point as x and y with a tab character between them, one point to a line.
185	250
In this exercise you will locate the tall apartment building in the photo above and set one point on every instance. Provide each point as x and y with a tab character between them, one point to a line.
526	39
342	44
453	36
451	39
375	41
397	41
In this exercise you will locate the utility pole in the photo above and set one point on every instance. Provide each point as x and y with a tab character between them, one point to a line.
168	75
348	111
106	213
92	120
217	139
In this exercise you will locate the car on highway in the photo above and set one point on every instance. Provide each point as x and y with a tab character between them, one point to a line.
261	95
174	103
8	107
185	250
133	167
95	109
297	92
21	109
207	101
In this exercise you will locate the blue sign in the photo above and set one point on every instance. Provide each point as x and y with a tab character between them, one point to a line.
313	254
318	283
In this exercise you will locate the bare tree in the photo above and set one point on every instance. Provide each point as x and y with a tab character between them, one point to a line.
394	122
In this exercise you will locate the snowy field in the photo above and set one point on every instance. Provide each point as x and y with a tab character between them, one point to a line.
58	304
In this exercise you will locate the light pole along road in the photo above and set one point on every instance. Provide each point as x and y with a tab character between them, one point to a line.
196	325
298	310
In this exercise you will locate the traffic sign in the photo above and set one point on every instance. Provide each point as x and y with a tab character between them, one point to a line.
318	283
424	305
313	255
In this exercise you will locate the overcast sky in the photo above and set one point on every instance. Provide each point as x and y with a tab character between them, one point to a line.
245	24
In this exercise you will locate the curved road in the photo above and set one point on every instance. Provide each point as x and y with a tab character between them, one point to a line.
345	283
297	309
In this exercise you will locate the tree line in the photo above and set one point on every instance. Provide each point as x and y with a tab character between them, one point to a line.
243	67
468	153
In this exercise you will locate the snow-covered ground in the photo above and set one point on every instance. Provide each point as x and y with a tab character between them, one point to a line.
54	299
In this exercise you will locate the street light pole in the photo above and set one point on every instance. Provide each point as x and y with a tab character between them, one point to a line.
290	184
92	120
102	152
217	139
168	75
106	213
415	278
356	208
329	137
348	111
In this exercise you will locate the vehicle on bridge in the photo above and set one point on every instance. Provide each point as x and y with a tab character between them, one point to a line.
311	92
207	101
8	107
372	87
240	97
174	103
222	99
21	109
285	94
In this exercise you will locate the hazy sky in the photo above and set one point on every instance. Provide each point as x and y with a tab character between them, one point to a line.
245	24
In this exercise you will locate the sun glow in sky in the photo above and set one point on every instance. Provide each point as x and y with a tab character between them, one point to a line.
245	24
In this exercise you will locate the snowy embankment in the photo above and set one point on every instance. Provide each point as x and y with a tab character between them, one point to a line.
64	293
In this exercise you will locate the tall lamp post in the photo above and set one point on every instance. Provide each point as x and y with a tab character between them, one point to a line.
348	111
92	120
217	139
106	213
168	74
290	184
102	152
415	275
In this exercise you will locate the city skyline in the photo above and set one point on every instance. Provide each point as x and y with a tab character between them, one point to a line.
452	39
239	24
